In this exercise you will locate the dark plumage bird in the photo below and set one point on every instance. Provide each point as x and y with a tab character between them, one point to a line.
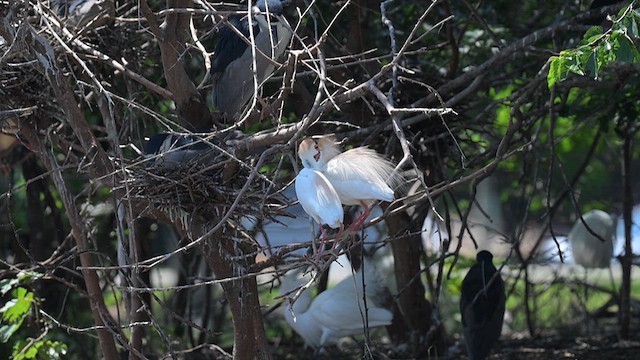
82	12
482	306
170	151
233	78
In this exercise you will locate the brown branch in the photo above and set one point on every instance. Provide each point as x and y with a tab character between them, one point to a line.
101	316
172	36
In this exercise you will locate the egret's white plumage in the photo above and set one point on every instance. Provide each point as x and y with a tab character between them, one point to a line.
339	311
589	250
318	198
360	176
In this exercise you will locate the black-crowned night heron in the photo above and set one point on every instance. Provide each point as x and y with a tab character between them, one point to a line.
482	305
360	176
593	250
83	12
168	151
231	71
338	311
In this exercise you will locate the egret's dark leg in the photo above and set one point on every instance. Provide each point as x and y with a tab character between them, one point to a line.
338	237
321	247
357	225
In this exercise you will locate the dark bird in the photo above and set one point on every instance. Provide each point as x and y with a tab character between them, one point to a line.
231	71
82	12
482	306
169	151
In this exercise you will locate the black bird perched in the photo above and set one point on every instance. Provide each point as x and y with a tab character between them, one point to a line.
82	12
482	306
171	151
231	71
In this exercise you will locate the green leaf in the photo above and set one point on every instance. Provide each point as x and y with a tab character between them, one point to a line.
591	65
29	277
15	309
632	27
43	349
626	51
24	349
7	330
592	35
7	284
557	70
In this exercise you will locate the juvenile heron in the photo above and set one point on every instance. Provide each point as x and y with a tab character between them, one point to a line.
360	176
593	250
338	311
482	305
170	151
83	12
232	68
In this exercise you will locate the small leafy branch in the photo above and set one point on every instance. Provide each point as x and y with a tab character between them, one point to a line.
13	314
599	48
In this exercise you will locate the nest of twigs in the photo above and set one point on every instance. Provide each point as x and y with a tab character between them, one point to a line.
198	187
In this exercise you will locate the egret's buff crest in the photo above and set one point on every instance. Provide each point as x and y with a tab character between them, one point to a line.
358	163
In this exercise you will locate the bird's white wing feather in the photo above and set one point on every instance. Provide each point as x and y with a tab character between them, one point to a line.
340	308
318	198
361	174
361	163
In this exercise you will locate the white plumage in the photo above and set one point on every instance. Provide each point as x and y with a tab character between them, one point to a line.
360	176
589	250
339	311
318	198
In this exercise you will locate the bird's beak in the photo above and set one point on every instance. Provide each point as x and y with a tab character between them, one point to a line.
316	157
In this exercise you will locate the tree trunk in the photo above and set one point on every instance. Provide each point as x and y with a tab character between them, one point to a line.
249	339
626	259
406	245
101	316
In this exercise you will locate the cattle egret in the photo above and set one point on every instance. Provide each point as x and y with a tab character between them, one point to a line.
482	305
589	250
320	200
233	78
338	311
360	176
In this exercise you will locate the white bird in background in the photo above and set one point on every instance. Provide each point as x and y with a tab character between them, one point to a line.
339	311
320	200
360	176
589	250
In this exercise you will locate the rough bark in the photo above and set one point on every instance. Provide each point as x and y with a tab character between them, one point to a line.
627	258
406	245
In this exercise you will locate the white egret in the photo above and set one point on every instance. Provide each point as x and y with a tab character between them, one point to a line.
320	200
482	305
593	250
338	311
360	176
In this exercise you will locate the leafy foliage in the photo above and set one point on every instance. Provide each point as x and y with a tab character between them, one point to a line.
599	48
16	311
